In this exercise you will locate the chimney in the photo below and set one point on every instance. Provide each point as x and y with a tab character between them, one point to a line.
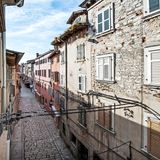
37	54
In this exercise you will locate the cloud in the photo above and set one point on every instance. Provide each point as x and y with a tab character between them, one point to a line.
31	28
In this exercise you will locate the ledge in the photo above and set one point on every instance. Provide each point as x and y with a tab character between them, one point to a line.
152	86
83	127
80	60
105	33
151	15
104	81
148	155
105	129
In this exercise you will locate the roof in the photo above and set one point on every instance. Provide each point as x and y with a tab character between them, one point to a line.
19	3
54	53
13	57
42	55
87	3
69	32
31	61
75	14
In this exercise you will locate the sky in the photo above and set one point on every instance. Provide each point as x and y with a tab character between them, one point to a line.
32	28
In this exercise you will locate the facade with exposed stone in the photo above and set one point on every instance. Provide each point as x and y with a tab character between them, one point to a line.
42	78
122	115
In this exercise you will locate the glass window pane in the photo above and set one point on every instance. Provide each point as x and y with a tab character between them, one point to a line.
106	71
79	79
106	25
100	72
155	72
154	5
106	14
100	18
106	60
100	61
99	27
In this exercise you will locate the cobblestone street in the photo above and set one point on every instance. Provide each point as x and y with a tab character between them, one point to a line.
36	137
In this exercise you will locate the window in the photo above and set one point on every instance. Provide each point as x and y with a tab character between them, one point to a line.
81	52
105	118
151	137
56	76
73	139
82	115
105	19
82	83
62	57
154	137
151	6
49	73
152	65
105	67
64	129
44	73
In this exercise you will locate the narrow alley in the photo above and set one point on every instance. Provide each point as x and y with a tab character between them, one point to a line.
36	137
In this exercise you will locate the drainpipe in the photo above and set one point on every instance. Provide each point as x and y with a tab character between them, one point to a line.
3	72
66	80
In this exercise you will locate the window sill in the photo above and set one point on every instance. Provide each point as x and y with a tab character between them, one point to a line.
151	86
80	60
105	81
73	144
151	15
104	33
82	126
148	155
81	92
105	129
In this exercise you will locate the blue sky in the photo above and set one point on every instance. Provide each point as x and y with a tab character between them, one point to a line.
31	29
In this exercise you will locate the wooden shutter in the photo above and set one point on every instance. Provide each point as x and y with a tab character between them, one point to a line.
155	67
101	118
154	137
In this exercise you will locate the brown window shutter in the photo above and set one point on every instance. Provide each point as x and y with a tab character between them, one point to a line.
154	137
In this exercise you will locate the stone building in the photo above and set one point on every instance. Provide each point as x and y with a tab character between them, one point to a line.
55	81
118	115
42	78
13	80
75	71
4	142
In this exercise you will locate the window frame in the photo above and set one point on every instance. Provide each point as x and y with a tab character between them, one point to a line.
147	8
110	125
81	52
82	116
111	66
147	64
83	90
110	8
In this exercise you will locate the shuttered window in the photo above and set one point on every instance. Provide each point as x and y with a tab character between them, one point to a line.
82	83
105	19
81	52
154	137
105	119
152	65
105	67
151	6
82	115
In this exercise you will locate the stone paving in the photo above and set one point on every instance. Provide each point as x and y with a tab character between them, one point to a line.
36	138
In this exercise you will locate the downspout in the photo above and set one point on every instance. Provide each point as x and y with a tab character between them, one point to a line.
3	72
66	84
